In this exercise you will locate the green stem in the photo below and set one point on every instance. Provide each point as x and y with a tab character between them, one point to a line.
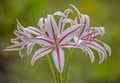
52	70
61	79
67	64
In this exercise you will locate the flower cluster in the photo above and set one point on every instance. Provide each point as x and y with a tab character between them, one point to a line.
53	37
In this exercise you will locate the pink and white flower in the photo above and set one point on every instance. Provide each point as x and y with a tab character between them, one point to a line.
54	42
53	37
85	38
21	41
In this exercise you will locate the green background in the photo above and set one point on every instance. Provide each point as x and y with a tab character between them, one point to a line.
14	69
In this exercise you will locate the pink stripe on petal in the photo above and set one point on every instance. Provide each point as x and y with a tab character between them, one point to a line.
43	21
40	53
58	57
91	54
68	34
33	30
19	26
53	28
99	49
20	34
13	47
29	48
83	28
68	45
61	24
42	40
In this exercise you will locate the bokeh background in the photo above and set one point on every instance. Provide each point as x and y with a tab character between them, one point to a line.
14	69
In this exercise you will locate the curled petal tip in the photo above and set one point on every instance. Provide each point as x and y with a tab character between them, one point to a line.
32	63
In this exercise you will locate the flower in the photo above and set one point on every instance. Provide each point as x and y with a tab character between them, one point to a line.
85	38
54	42
21	41
53	37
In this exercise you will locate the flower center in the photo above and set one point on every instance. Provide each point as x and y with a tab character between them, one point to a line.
56	46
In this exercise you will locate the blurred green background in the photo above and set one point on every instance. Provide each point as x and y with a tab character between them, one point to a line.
14	69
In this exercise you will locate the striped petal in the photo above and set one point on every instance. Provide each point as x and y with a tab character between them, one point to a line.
52	28
40	53
58	57
42	40
33	30
84	20
16	41
13	47
30	48
61	23
21	34
69	33
68	45
101	51
19	26
77	42
42	22
20	50
91	54
67	20
98	31
105	46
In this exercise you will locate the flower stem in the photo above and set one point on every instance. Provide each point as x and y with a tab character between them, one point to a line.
61	79
52	70
67	63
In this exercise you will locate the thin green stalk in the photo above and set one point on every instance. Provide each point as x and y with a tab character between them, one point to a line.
61	79
58	77
52	70
67	63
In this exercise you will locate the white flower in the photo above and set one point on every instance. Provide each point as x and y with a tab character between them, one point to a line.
85	38
54	42
21	41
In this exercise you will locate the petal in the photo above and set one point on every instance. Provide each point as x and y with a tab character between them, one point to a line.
21	53
84	20
91	54
20	50
59	14
42	40
105	46
52	27
16	41
40	53
61	23
77	42
98	31
33	30
75	8
67	20
20	34
69	33
67	11
101	51
30	48
68	45
13	47
58	57
76	20
42	22
19	26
